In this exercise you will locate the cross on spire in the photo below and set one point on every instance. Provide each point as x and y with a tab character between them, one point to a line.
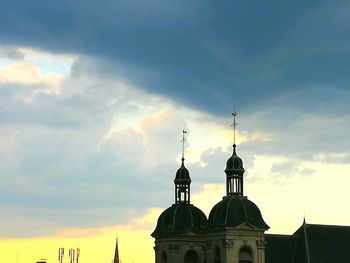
184	133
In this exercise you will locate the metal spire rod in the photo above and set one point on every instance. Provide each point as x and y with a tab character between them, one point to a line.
184	132
234	114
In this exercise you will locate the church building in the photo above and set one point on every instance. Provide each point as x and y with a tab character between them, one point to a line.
234	232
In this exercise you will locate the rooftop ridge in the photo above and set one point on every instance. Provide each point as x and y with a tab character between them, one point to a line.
279	235
323	225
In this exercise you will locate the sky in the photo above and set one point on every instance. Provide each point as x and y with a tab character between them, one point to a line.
94	96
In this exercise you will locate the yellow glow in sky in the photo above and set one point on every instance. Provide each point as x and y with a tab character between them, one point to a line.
96	245
282	205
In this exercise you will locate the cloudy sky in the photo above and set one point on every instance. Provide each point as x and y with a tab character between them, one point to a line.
94	96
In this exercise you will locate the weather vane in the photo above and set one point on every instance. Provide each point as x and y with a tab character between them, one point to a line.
184	132
234	124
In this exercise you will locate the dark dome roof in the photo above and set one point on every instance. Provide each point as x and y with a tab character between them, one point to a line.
180	219
182	175
233	211
234	163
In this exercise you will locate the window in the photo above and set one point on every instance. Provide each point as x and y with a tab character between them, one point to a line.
164	258
217	255
245	255
191	256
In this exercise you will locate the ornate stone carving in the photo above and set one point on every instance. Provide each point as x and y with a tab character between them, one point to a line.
156	249
261	244
227	243
174	248
208	244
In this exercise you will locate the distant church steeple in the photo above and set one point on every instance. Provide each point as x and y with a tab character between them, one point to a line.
182	179
116	253
234	168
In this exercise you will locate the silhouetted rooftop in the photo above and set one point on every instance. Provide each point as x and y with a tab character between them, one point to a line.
310	244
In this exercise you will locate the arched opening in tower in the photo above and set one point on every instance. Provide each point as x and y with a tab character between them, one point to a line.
245	255
164	257
191	256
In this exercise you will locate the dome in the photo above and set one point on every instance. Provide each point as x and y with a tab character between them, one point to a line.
233	211
234	164
182	175
180	219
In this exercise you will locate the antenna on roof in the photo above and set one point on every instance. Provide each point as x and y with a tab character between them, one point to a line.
78	254
60	254
234	124
184	132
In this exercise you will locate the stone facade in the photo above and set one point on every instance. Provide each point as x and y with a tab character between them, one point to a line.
180	249
224	246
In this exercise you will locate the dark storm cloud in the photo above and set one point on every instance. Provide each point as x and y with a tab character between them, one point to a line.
205	54
274	59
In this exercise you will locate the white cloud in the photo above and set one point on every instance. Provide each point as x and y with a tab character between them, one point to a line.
33	67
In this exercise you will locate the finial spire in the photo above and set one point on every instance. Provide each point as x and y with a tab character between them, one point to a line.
184	132
234	114
234	167
116	252
182	179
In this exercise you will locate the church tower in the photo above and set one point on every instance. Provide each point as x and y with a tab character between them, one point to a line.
236	228
180	231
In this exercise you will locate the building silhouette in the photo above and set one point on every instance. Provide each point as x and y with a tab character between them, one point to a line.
235	230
